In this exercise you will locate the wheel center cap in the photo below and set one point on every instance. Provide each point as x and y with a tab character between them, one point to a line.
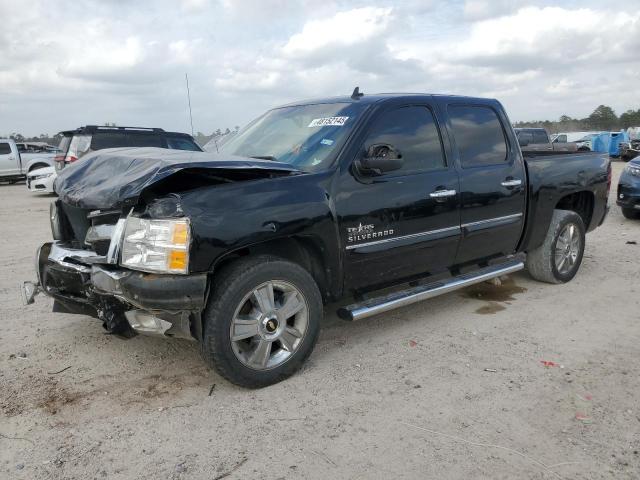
271	324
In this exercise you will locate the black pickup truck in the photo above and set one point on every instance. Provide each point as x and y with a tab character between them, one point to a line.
377	200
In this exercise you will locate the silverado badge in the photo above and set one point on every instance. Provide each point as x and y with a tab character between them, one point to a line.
366	232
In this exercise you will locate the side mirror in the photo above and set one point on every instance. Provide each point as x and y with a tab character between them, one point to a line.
380	158
523	142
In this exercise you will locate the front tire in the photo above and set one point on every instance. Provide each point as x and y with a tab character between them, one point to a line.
558	259
262	321
630	213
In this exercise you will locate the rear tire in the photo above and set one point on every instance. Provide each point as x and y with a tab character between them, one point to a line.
558	259
251	336
630	213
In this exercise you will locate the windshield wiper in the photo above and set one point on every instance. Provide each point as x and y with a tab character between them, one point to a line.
265	157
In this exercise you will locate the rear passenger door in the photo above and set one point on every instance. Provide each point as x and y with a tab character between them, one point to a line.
404	223
492	181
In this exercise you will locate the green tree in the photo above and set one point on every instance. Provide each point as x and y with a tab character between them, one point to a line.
630	118
603	118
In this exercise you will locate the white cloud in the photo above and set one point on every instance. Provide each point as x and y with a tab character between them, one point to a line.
554	32
125	61
481	9
561	87
343	30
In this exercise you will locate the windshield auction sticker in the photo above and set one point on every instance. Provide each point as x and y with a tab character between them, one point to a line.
328	122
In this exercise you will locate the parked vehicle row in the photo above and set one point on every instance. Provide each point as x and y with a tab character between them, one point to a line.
15	165
538	140
77	143
631	148
36	147
386	199
628	198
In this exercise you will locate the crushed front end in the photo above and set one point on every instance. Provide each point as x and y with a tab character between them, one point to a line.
127	268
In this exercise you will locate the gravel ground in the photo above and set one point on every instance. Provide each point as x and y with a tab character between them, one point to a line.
450	388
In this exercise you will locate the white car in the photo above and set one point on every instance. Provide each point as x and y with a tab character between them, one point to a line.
41	180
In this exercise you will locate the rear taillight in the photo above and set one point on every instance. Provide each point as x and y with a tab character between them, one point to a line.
608	178
62	160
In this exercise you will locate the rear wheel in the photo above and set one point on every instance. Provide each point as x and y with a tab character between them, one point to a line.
558	259
630	213
262	321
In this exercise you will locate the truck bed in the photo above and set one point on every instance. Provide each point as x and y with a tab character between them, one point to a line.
552	177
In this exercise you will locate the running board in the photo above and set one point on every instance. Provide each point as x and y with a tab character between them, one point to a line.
374	306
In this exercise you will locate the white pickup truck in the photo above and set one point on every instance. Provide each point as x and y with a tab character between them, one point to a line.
15	166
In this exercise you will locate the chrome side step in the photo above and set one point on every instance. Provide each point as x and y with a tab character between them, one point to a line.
374	306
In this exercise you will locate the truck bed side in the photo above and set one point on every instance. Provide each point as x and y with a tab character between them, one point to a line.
577	180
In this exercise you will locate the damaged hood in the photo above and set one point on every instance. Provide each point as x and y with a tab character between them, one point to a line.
116	177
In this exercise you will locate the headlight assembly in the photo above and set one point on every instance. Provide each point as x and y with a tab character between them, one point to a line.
40	176
633	169
156	245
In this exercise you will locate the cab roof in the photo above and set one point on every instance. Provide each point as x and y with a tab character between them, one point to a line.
88	129
380	97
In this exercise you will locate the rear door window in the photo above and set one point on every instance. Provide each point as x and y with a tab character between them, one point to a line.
5	149
525	137
540	136
478	135
145	140
102	140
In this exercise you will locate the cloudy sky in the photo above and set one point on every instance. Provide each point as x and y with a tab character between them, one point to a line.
68	63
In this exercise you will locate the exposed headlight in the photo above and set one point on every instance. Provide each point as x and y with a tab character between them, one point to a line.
41	176
633	169
156	245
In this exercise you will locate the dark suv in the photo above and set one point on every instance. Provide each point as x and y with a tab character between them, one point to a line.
77	143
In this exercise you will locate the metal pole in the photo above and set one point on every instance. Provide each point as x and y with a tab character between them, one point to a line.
189	99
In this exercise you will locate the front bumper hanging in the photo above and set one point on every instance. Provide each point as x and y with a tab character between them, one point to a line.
83	282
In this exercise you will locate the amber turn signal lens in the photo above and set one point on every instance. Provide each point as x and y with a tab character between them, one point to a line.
180	234
177	260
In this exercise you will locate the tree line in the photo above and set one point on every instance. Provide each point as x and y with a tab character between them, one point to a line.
603	118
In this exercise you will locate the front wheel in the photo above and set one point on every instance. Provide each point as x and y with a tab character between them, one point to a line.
262	321
558	259
630	213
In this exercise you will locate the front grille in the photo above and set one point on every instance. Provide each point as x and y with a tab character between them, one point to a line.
101	230
78	221
86	229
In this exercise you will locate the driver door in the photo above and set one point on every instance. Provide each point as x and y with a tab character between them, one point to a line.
405	223
8	160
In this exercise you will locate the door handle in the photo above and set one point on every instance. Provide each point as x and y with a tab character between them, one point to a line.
442	193
512	183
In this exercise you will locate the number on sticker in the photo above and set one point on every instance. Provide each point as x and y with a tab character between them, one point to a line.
328	122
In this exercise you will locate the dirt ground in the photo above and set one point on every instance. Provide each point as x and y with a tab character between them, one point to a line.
451	388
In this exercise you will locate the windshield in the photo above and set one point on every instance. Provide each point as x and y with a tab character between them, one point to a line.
305	136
